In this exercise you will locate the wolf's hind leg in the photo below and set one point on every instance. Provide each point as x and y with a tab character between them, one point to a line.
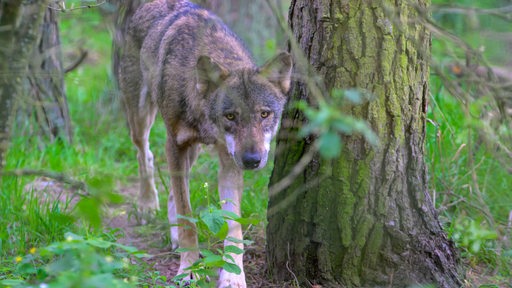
140	112
140	120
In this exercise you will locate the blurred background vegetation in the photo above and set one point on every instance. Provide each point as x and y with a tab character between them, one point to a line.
469	144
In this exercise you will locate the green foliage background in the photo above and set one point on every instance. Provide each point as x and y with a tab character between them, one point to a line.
468	181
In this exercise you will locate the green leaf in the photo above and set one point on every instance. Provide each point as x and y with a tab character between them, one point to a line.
213	261
189	219
353	96
236	240
343	126
90	210
179	277
12	282
232	268
26	268
223	232
99	243
329	145
229	215
214	220
248	221
206	252
233	249
129	249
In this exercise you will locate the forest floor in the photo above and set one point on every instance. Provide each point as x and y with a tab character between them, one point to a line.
163	259
151	239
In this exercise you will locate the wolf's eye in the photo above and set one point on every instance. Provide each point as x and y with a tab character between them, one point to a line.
265	114
230	116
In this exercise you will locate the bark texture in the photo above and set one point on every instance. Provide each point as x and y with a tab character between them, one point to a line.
46	83
20	22
364	219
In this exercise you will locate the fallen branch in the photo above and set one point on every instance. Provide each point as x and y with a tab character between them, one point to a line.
59	177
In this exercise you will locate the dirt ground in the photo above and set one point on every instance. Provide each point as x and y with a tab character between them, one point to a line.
150	238
166	261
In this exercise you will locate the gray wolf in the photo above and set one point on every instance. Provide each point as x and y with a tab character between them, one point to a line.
182	61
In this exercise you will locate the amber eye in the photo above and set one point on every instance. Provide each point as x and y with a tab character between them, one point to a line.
265	114
230	116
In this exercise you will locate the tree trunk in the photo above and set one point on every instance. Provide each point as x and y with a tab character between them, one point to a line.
20	22
46	81
365	218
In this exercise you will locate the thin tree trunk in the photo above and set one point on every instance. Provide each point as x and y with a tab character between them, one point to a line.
46	82
364	219
19	33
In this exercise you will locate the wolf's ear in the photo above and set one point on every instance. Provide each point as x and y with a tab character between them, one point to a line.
209	74
279	71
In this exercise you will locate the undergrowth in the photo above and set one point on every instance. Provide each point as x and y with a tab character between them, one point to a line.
467	181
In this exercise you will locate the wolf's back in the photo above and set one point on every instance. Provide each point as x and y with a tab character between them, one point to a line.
183	30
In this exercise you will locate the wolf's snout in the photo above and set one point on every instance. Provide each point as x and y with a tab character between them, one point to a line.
251	160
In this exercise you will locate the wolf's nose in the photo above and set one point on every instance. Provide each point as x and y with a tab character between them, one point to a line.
251	160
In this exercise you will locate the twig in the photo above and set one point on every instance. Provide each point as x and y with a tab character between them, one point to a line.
509	227
297	169
61	6
290	270
74	65
502	12
163	254
75	184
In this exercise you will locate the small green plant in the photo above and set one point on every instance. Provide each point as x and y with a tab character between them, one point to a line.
212	221
74	262
474	238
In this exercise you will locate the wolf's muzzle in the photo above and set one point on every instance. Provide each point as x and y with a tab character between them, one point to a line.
251	160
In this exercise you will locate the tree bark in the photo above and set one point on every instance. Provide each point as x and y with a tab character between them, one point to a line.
20	22
46	81
364	219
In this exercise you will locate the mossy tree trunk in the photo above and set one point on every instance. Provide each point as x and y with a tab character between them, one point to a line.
20	22
364	219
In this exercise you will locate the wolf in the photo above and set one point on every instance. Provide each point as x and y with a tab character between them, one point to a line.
182	61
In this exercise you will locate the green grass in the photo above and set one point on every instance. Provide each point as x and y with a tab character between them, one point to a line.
103	156
468	181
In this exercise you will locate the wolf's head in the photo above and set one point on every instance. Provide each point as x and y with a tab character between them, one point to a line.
246	105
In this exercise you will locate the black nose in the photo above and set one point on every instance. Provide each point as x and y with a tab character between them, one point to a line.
251	160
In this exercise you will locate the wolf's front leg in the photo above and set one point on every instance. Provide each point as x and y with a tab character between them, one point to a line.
230	189
180	160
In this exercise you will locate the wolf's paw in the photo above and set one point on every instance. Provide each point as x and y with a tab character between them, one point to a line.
230	280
